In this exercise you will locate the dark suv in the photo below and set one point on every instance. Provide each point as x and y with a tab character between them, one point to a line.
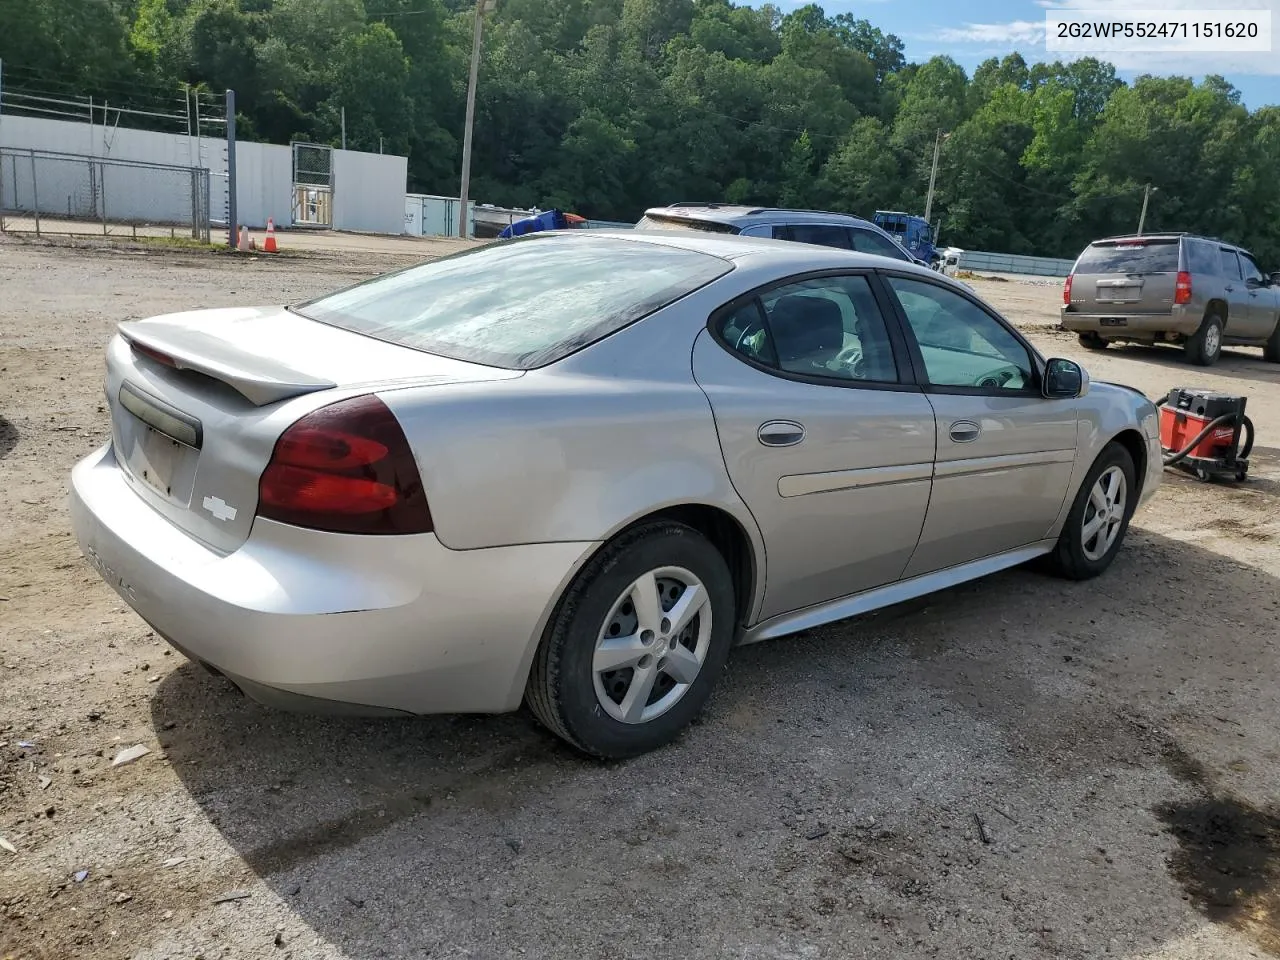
1178	288
803	226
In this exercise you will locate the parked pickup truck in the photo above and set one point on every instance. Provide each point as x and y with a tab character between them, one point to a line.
1182	289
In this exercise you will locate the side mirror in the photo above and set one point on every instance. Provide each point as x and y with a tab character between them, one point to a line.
1064	379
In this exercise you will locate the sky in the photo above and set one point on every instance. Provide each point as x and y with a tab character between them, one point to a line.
970	31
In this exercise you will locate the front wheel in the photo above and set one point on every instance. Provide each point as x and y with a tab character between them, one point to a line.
1099	517
636	643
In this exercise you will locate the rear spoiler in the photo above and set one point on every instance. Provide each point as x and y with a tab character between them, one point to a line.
260	380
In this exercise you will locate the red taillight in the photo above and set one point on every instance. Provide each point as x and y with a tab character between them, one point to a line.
1182	288
154	354
345	468
1066	290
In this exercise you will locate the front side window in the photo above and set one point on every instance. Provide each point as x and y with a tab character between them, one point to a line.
864	241
962	345
1251	271
828	327
522	303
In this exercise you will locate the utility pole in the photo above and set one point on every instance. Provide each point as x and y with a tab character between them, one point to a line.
482	7
1142	218
933	174
344	128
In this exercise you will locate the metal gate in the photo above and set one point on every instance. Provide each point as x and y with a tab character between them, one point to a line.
312	185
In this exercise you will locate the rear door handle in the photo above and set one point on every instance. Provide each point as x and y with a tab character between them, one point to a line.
780	433
965	431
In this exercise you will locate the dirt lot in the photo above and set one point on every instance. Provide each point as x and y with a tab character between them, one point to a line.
1017	768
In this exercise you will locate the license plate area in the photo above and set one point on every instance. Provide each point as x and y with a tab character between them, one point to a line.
166	466
1119	294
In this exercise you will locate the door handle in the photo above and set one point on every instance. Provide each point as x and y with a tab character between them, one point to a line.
780	433
965	431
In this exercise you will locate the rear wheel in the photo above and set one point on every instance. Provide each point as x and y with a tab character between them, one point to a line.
1099	517
1091	341
1271	351
1205	345
636	643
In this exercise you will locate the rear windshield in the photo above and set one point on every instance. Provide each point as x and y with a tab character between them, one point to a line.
1135	256
650	222
521	303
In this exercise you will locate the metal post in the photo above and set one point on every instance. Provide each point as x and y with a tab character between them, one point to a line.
15	182
186	99
481	5
35	193
933	175
232	227
104	120
344	128
1142	217
102	182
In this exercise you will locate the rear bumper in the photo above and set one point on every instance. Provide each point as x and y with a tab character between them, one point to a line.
385	623
1144	326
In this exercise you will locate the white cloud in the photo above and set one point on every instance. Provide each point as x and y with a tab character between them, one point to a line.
1015	31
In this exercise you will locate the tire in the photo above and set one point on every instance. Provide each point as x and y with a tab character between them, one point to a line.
1091	341
1271	350
1075	557
1205	345
586	709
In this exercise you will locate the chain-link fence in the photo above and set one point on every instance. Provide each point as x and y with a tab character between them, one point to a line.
46	192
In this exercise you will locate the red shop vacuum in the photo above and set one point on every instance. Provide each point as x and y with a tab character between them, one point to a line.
1201	431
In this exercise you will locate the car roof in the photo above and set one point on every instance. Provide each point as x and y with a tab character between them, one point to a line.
1134	237
741	214
797	257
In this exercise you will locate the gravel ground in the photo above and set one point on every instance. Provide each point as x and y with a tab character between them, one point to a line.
1019	767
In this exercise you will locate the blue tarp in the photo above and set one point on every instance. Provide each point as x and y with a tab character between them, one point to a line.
550	220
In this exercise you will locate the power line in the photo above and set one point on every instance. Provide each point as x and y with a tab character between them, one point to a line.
156	91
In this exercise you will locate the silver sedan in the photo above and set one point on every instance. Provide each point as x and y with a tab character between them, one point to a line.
574	469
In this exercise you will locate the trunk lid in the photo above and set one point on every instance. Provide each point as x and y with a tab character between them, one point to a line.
198	400
1130	276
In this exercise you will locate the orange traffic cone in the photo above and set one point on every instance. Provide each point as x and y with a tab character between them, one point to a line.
269	245
243	246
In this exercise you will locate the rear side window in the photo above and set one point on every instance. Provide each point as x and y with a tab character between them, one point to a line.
821	234
1201	257
828	327
649	222
1138	257
523	303
864	241
1230	265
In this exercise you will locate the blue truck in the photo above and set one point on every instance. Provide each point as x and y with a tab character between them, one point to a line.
914	233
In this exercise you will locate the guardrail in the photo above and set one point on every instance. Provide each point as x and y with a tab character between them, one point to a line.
976	260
